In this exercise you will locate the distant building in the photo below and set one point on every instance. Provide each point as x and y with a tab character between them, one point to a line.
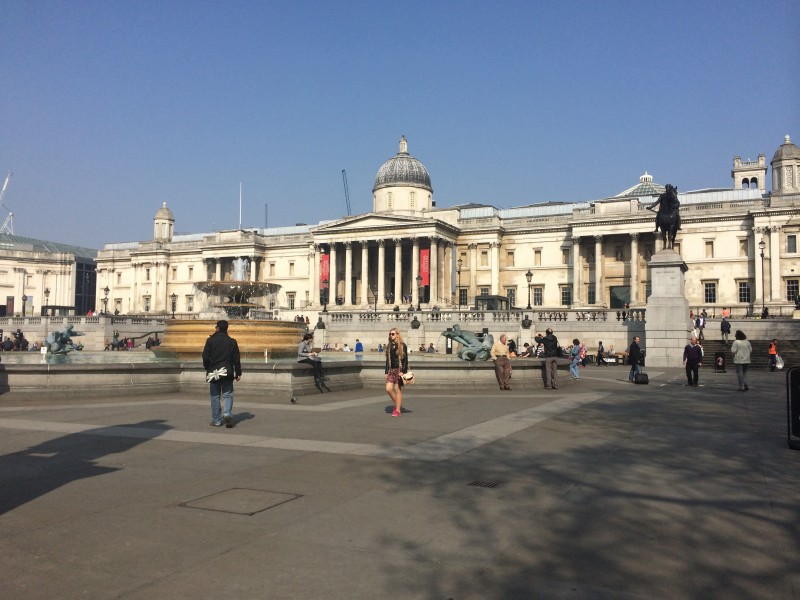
35	274
580	254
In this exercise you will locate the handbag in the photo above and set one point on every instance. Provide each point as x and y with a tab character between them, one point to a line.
408	377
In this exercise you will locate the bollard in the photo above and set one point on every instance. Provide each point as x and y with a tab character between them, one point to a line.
266	355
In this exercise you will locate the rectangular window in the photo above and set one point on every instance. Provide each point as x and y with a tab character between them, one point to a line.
189	303
510	259
744	292
174	273
291	269
710	292
119	278
484	291
709	249
792	289
147	274
290	299
565	256
743	247
191	273
591	294
537	258
272	269
147	304
484	258
538	295
462	296
791	244
511	293
566	295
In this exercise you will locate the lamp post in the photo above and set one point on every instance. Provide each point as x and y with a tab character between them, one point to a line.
24	300
761	246
529	277
105	301
325	295
46	316
459	264
419	291
374	290
174	298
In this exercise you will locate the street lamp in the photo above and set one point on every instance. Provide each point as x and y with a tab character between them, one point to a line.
46	316
325	283
105	301
459	263
419	291
761	246
24	300
46	298
529	277
173	297
374	290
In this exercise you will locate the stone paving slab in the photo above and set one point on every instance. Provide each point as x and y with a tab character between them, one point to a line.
602	489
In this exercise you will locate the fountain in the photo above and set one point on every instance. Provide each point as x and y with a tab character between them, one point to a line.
185	338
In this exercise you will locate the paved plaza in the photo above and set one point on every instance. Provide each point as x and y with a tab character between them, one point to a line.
599	489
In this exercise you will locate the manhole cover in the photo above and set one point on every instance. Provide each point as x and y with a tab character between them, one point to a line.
241	501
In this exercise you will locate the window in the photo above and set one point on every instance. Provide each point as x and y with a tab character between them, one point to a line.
119	278
484	291
791	244
566	295
174	273
413	200
591	294
484	258
709	249
743	247
191	273
511	293
537	258
147	304
272	269
619	254
147	274
189	303
744	292
538	295
565	256
510	258
291	269
290	299
792	289
389	201
648	290
462	296
117	306
710	292
648	251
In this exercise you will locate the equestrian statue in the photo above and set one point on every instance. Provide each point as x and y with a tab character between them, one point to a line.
668	217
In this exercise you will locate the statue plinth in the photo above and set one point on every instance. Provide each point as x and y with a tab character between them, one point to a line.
666	327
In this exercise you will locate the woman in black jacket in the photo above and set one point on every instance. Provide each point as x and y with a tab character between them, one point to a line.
396	365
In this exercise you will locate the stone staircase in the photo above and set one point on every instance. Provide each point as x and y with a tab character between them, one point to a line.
788	349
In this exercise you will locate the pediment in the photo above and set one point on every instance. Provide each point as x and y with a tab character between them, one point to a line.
372	222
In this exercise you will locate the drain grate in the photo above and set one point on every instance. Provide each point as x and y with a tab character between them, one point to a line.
241	501
484	484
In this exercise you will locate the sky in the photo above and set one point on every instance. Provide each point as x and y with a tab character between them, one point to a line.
110	108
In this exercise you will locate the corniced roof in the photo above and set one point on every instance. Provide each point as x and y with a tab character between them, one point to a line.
402	170
787	150
26	244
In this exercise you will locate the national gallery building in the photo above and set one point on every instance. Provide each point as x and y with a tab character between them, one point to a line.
739	244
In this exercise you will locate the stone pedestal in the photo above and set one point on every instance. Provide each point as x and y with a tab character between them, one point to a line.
667	311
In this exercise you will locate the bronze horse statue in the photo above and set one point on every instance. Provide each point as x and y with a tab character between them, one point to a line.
668	217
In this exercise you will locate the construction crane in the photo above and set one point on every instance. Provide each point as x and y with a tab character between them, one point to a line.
8	224
346	192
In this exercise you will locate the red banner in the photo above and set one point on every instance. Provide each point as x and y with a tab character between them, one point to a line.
425	266
324	269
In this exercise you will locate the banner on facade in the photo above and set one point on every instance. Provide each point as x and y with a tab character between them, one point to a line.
324	269
425	266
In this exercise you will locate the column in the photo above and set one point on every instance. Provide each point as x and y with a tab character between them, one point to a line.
348	273
364	273
577	272
434	270
774	264
398	288
332	275
473	271
599	296
251	261
313	274
758	235
414	270
217	269
382	271
447	271
634	269
495	246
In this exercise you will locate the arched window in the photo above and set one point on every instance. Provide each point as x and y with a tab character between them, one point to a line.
745	183
754	182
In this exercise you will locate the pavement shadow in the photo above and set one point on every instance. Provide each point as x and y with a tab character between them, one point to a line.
40	469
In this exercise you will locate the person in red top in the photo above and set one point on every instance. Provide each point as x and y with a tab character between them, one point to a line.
773	355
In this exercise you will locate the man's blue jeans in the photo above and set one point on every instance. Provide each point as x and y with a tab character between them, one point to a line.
635	370
223	387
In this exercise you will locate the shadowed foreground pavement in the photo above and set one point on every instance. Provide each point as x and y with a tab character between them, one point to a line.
599	489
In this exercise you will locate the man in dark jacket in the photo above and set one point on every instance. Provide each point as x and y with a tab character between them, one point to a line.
634	359
222	364
692	360
551	354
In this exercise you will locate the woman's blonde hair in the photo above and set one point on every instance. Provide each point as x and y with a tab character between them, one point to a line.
399	341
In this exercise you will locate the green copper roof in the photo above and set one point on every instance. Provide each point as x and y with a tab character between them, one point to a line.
18	242
645	187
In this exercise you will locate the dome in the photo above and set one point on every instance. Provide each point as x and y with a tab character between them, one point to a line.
403	170
787	150
164	213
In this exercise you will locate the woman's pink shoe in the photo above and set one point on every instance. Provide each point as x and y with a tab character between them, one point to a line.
395	413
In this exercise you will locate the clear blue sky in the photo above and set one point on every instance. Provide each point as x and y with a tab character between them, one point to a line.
110	108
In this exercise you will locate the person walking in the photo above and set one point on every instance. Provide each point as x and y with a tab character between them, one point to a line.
502	364
773	355
222	363
693	360
306	354
601	359
725	328
396	365
634	359
741	350
575	355
552	351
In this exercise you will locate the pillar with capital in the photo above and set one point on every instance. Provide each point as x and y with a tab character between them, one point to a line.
434	271
398	280
495	246
599	296
381	271
348	273
332	292
364	273
217	269
414	270
577	271
473	271
634	268
774	263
